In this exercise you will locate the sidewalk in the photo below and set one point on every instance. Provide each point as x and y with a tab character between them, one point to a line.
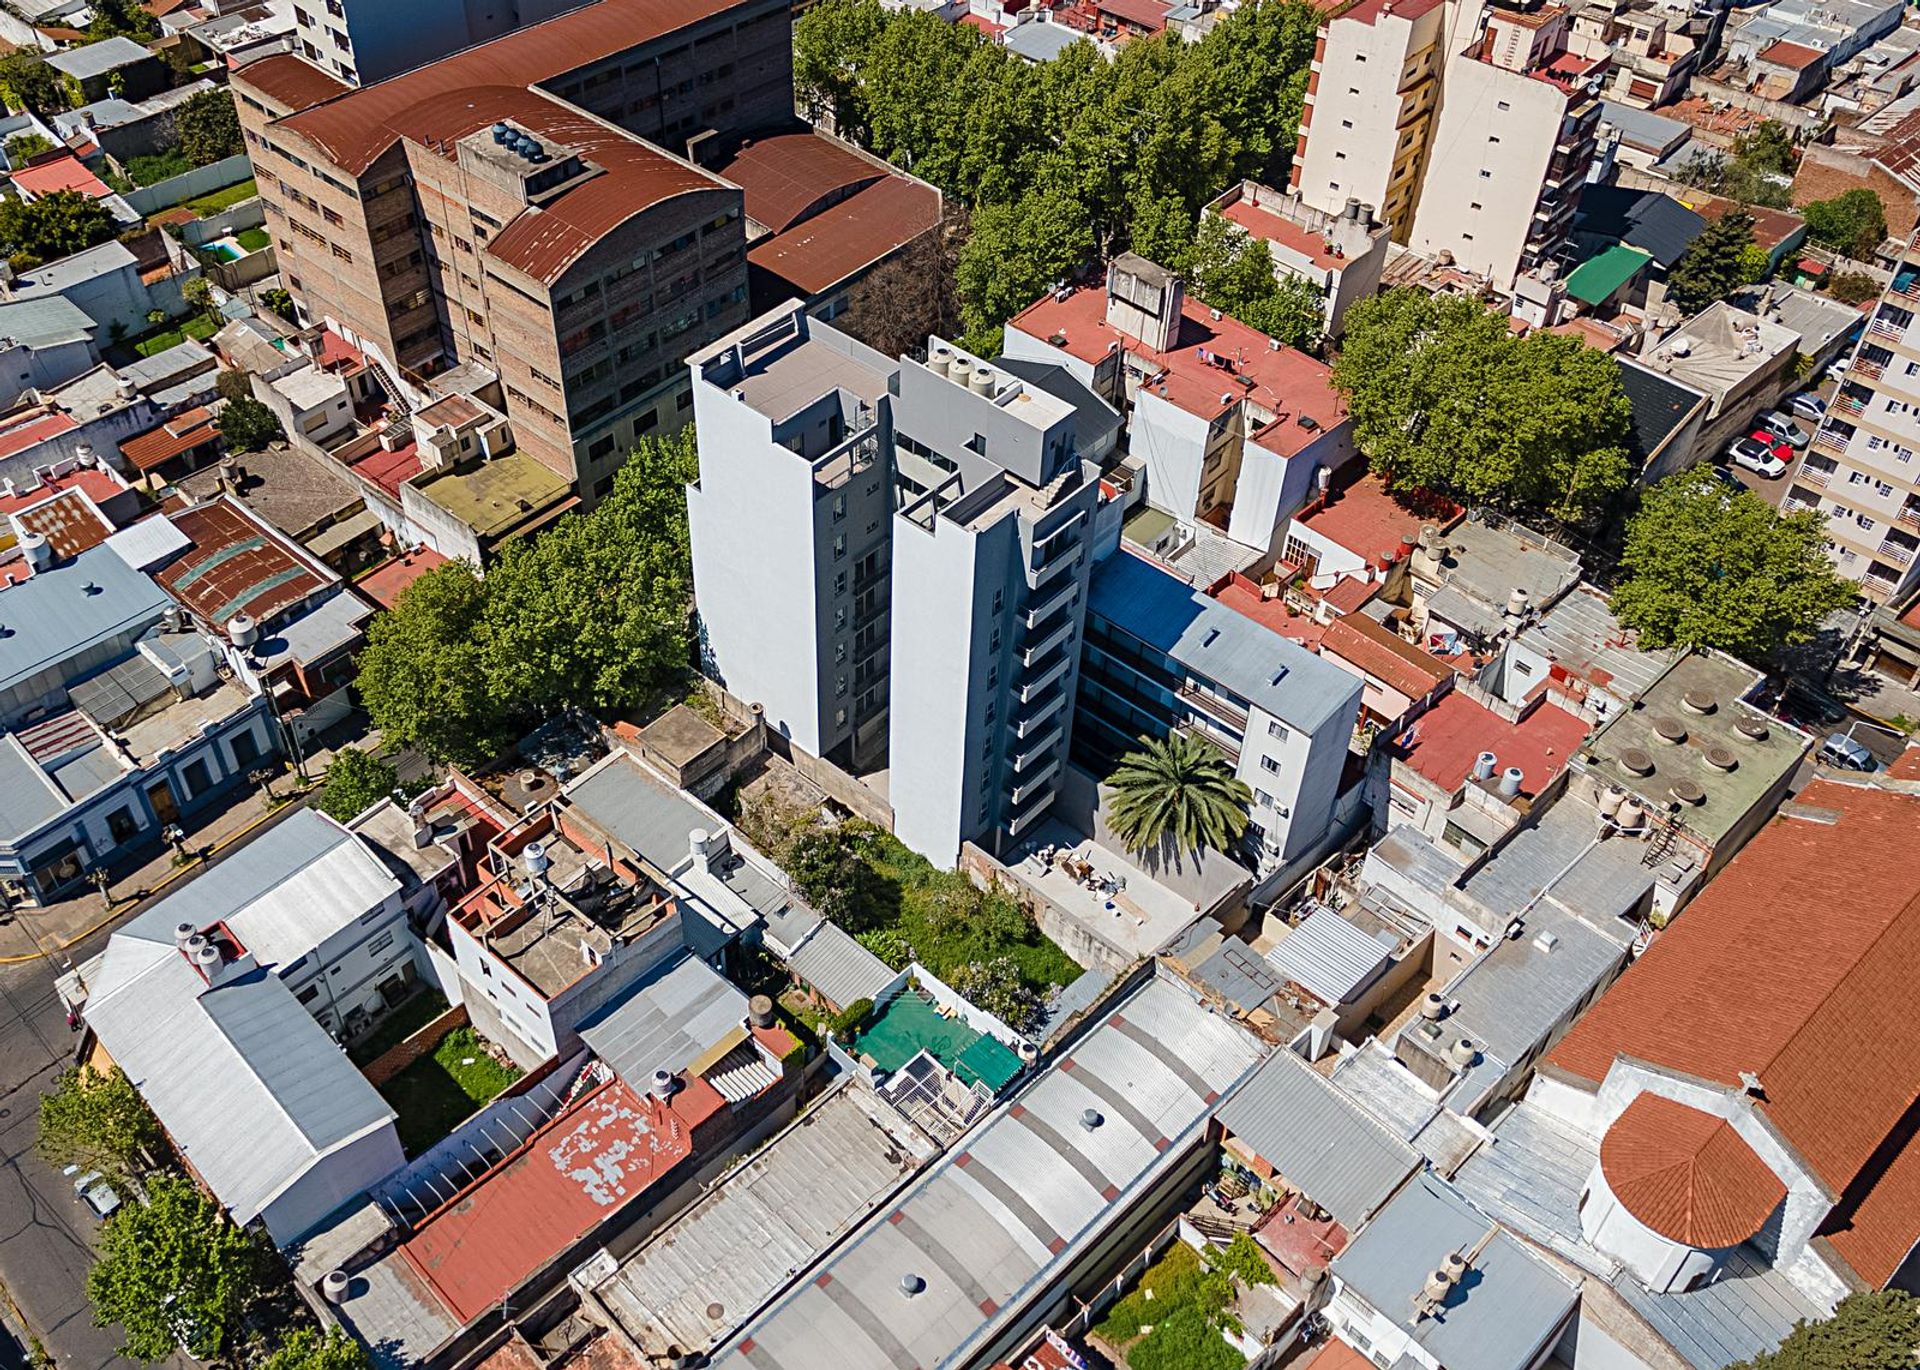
30	932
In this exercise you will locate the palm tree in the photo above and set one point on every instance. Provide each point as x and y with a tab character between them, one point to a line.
1177	789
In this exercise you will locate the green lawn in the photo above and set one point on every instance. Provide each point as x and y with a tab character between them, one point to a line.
252	239
1175	1328
399	1025
199	327
921	885
222	199
437	1093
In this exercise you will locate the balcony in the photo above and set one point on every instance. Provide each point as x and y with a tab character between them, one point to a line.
1028	789
1046	571
1214	705
1880	328
1830	443
1866	369
1894	552
1909	516
1030	724
1040	748
1844	403
1047	641
1041	610
1815	475
1047	673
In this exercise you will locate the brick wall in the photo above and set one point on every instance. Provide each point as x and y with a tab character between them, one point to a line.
395	1059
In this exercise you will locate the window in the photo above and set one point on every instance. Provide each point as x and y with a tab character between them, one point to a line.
120	824
1503	106
1263	799
381	943
1485	175
309	994
1278	731
840	582
1880	487
1865	523
197	776
342	253
1346	123
1269	765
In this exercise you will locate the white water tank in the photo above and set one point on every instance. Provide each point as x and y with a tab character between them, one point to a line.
242	631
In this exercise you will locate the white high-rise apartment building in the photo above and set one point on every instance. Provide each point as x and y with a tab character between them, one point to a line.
363	41
891	559
1862	471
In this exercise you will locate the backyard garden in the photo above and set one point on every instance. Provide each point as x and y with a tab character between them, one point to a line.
443	1089
1172	1319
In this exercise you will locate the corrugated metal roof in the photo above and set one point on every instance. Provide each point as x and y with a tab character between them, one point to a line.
1498	1318
674	1014
1318	1139
1329	957
249	1087
282	894
149	542
838	967
644	813
990	1227
27	797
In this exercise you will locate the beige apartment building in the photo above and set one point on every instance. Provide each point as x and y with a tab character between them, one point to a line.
1861	471
524	208
1468	130
1518	124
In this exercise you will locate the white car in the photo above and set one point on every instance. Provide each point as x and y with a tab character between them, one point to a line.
1757	456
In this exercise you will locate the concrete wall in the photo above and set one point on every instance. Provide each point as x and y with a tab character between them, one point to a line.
395	1059
188	185
1214	882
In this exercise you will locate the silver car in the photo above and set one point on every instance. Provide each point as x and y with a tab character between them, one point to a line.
1785	427
1846	754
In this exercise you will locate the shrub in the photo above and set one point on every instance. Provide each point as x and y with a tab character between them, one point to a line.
848	1020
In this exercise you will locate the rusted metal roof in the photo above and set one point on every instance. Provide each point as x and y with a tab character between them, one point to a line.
791	175
818	253
290	82
236	565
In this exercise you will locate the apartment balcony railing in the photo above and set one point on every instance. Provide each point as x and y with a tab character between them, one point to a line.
1050	639
1027	789
1848	404
1815	475
1039	750
1894	552
1910	516
1041	610
1214	705
1030	723
1866	369
1879	328
1045	675
1831	443
1044	573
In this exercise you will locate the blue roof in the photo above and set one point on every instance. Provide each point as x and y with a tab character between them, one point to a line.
1219	643
60	612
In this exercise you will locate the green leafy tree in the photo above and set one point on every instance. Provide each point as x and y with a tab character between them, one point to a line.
1853	287
1715	264
1233	271
234	384
1443	396
356	781
423	675
198	292
173	1272
1767	147
208	127
831	42
1879	1330
246	425
832	874
1707	567
24	147
1017	252
307	1348
55	225
1853	222
1177	793
98	1121
995	985
1736	179
121	19
1242	1259
30	84
280	301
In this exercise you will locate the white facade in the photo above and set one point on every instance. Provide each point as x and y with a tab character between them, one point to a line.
362	41
1861	471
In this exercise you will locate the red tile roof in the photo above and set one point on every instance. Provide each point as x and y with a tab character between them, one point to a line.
876	220
1203	372
1369	10
390	469
179	434
1797	56
355	127
100	484
597	1156
1149	15
30	430
1448	738
1244	598
1369	647
984	24
60	173
1687	1175
384	583
1795	965
290	82
792	175
1372	523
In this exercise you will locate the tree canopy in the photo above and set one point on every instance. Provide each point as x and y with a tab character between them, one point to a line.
24	147
1443	395
1177	793
246	425
208	126
1879	1330
356	781
1068	159
1853	222
1706	566
1233	271
1767	147
98	1121
30	84
1738	178
306	1348
173	1271
54	226
1715	264
592	613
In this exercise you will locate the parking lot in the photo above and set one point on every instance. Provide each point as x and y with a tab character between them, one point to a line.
1774	490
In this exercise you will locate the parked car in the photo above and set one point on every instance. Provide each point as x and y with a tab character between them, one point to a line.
1783	427
1733	483
1845	753
1758	452
1808	406
93	1190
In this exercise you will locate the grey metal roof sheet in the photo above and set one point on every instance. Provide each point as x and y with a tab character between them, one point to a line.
838	967
1497	1321
329	626
1318	1139
706	1273
642	812
86	772
1214	641
1581	633
667	1019
42	323
1040	42
1095	422
1330	957
60	612
50	278
249	1087
97	59
27	797
1558	855
989	1227
282	894
1645	130
170	365
1660	405
1645	219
